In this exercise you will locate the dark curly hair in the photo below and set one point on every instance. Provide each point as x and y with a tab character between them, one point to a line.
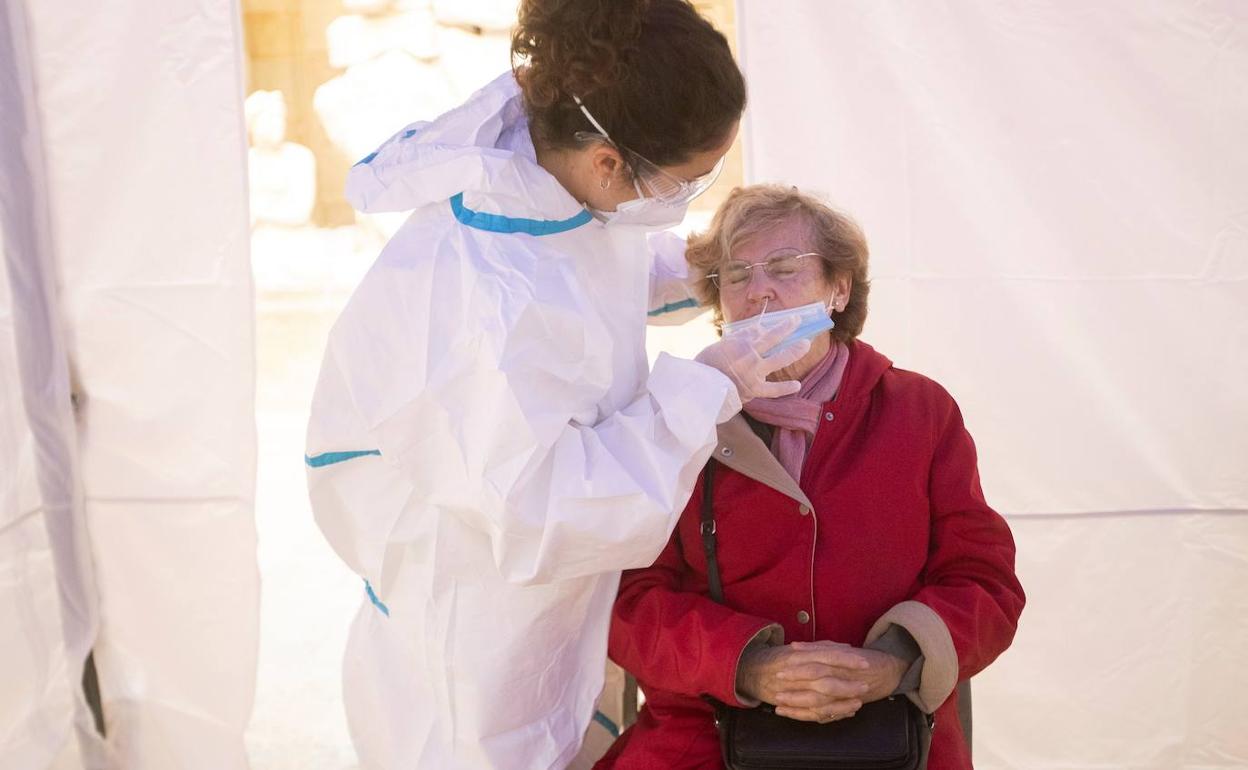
658	77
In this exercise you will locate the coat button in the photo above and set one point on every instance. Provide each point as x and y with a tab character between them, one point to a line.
829	416
726	451
802	509
803	617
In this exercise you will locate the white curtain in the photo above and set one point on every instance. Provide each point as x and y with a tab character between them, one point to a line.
1056	197
127	525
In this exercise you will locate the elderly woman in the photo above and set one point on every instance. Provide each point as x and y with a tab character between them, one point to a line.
857	555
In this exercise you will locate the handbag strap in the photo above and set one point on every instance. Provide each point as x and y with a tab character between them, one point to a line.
708	535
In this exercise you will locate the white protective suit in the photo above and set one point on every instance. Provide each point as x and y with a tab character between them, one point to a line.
488	447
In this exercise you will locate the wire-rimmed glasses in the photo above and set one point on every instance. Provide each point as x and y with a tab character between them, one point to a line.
779	265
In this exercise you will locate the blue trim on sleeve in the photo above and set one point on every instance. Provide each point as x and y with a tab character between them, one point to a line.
672	307
372	597
329	458
496	223
606	722
408	134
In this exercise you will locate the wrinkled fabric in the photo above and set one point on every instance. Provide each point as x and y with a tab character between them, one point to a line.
124	215
49	605
488	447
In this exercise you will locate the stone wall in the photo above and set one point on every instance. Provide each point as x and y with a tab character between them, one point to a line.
287	51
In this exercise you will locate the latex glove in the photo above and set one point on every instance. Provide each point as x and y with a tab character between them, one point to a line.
740	358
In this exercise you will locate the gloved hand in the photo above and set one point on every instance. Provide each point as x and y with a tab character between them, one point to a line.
740	358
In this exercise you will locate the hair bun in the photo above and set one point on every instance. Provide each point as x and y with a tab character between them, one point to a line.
575	46
655	73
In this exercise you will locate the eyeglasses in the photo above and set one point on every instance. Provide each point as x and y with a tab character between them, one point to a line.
650	180
780	265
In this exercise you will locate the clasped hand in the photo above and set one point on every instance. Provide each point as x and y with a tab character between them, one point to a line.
818	681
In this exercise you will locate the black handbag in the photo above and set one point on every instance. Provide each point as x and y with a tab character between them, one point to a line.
888	734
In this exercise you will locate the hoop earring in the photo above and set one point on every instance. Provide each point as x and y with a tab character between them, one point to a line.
605	183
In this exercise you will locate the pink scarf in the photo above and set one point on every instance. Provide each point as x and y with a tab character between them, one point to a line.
796	417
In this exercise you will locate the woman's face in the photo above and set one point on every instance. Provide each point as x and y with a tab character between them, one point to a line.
802	287
605	162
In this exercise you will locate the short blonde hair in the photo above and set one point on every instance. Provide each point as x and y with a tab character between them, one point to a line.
755	209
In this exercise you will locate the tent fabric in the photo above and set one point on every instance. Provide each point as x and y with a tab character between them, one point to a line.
46	625
1065	194
1056	200
1130	653
48	602
138	111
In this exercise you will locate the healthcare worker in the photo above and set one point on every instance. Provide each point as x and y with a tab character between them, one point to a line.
488	447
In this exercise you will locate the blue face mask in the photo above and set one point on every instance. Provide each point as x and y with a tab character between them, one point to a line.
814	321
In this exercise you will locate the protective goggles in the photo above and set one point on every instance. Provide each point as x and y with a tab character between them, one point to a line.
651	180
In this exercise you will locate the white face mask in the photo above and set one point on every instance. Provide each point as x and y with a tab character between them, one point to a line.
645	212
814	321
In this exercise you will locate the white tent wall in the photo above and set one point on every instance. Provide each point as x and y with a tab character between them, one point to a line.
139	109
48	602
1056	197
40	705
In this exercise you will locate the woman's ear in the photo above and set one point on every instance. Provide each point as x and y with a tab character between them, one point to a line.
607	165
842	285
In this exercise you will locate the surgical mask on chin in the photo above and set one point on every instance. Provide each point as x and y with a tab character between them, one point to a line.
643	212
814	321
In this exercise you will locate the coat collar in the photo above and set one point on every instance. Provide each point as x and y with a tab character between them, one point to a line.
741	449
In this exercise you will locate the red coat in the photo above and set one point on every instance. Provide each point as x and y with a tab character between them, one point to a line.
900	533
